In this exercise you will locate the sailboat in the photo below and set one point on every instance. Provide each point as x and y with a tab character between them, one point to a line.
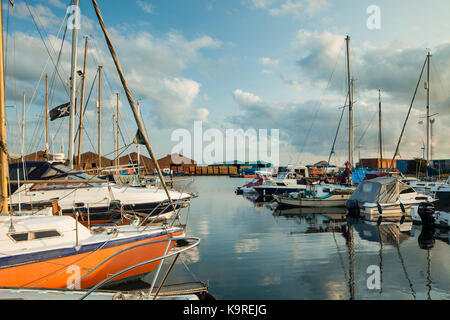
58	251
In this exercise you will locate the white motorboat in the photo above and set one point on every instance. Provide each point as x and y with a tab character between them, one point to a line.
101	200
317	196
442	191
385	197
424	186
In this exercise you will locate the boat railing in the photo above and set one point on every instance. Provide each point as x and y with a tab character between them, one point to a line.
166	255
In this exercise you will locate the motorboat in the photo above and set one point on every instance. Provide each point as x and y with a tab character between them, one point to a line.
425	186
442	191
59	252
317	196
294	180
259	180
40	183
385	197
433	214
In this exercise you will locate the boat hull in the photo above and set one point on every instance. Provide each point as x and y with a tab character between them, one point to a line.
333	201
60	268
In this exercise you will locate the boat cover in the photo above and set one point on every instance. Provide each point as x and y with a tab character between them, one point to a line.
380	190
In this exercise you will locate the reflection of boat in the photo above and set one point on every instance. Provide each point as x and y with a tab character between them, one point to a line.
54	252
302	211
316	196
385	197
388	232
315	223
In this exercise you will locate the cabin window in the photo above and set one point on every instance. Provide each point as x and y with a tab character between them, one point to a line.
410	190
34	235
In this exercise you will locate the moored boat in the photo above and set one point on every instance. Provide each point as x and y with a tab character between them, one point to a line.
55	252
385	197
317	196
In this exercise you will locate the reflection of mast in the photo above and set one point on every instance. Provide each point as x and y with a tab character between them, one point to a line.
397	245
351	254
430	282
381	261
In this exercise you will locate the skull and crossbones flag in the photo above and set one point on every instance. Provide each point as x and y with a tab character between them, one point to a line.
60	112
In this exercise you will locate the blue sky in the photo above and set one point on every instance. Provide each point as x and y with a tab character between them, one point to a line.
243	64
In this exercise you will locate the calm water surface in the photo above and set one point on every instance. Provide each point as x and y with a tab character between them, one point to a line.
250	251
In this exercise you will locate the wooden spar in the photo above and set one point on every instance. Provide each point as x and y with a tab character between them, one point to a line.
23	123
131	102
22	182
350	113
83	88
380	129
407	117
4	170
118	128
100	116
47	152
428	114
73	93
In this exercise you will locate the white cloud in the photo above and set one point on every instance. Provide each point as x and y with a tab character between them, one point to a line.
245	98
291	7
147	7
268	62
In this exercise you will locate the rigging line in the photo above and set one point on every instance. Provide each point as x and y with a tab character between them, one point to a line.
409	113
319	104
337	132
33	145
45	44
367	129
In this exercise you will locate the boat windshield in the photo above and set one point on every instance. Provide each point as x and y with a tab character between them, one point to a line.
61	170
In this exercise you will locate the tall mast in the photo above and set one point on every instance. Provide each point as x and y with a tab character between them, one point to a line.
83	87
4	171
23	124
132	104
100	116
118	128
350	113
73	93
428	113
47	152
380	129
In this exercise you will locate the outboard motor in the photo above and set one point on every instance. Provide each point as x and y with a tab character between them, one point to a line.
353	208
426	212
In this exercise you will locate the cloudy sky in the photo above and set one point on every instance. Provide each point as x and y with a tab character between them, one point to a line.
261	64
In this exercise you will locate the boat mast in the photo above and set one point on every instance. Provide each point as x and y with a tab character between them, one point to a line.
73	93
23	124
3	142
47	152
132	104
428	114
100	116
83	88
380	129
350	113
118	128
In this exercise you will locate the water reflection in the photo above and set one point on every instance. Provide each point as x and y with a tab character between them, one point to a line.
251	250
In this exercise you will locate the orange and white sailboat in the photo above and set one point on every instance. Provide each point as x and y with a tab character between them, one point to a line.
56	252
